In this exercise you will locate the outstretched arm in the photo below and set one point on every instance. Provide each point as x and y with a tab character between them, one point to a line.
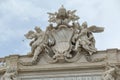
95	29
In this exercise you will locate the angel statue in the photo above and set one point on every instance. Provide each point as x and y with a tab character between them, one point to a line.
37	45
86	39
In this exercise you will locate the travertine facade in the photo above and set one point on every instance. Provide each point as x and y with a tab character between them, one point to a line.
64	51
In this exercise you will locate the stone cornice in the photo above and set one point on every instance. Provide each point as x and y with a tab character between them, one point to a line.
61	66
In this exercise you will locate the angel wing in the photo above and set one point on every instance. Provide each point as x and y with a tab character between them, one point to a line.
52	14
73	11
95	29
28	35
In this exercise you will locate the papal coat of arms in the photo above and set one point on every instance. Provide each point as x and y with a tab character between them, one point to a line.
64	39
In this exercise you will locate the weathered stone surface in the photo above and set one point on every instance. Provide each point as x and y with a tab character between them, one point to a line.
63	51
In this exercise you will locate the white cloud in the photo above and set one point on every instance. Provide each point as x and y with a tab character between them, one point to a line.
22	8
18	9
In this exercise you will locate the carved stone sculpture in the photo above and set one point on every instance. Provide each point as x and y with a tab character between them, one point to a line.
10	74
63	42
112	72
86	39
109	74
37	45
63	16
117	73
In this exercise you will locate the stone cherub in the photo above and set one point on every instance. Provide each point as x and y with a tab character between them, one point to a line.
86	39
37	45
10	74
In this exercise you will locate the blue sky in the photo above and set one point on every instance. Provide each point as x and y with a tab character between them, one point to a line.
19	16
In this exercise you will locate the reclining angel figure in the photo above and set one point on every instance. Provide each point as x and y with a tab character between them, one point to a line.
86	39
37	45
